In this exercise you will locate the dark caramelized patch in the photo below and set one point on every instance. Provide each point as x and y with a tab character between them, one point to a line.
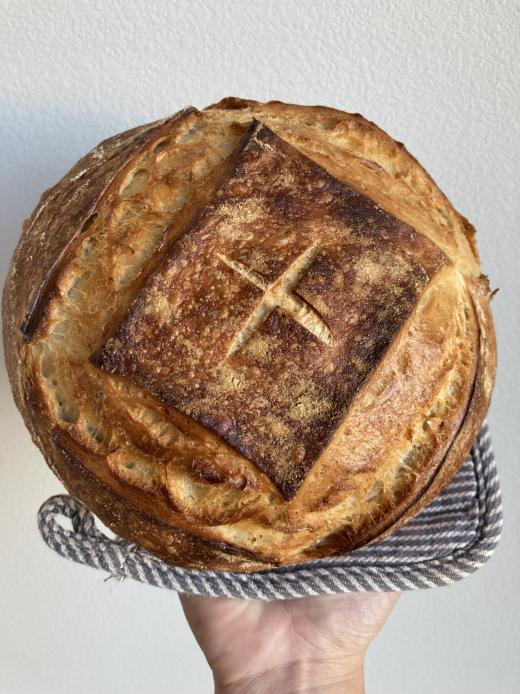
273	308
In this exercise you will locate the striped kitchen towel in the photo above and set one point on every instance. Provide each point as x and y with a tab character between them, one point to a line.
449	540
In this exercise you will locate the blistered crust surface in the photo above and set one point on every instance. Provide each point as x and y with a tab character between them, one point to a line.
155	474
273	308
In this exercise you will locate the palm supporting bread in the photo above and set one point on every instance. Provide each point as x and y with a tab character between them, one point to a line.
250	335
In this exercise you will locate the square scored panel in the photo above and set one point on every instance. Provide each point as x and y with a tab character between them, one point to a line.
272	309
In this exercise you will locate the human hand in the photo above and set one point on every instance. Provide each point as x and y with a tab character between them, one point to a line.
288	646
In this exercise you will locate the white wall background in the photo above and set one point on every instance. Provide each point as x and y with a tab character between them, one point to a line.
441	76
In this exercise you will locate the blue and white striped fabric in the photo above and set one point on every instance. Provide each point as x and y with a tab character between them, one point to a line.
449	540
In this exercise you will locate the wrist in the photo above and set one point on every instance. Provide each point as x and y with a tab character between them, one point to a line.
300	677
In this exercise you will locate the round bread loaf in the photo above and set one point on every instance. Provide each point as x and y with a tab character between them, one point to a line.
251	335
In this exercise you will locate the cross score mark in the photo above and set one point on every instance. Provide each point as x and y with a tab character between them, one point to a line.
279	293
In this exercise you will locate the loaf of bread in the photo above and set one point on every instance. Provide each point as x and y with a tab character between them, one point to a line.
251	335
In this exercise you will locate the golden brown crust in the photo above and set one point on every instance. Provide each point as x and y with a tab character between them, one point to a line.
148	469
275	297
471	417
